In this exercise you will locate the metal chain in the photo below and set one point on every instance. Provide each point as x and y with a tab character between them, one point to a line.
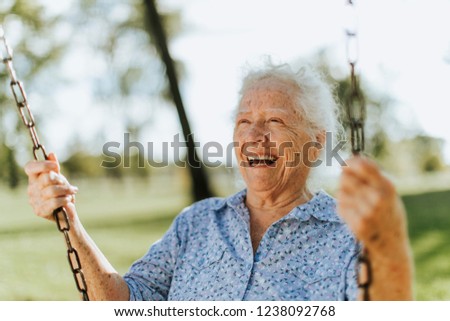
60	215
356	114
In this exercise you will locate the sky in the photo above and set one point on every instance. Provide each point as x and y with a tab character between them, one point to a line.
403	47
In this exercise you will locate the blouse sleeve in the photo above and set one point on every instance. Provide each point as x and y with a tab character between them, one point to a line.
150	277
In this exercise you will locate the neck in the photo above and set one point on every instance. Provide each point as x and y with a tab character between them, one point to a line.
269	201
267	208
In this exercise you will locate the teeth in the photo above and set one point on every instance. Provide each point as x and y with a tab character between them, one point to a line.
262	158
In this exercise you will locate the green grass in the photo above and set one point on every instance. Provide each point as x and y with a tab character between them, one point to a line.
429	229
125	219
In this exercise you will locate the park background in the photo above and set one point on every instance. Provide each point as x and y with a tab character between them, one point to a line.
92	73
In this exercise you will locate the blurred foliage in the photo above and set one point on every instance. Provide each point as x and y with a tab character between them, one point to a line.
376	139
416	155
25	21
133	70
10	171
419	154
83	165
12	168
113	34
428	152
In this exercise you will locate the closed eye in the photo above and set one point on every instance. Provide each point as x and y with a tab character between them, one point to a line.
243	121
275	120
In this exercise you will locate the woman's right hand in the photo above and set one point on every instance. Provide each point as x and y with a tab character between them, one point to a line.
47	188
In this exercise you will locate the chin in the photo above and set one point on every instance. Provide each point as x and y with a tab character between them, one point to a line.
260	184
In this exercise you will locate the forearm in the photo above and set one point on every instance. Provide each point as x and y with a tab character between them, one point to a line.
49	190
102	280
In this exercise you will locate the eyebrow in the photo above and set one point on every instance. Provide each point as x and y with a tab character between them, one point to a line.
273	110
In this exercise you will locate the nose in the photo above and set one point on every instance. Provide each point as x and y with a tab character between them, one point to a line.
258	132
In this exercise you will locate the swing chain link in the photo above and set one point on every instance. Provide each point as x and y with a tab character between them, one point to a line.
356	115
355	102
60	215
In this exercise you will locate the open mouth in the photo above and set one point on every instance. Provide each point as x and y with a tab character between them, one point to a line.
257	161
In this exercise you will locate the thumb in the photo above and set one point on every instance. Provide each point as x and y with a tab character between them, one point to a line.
52	157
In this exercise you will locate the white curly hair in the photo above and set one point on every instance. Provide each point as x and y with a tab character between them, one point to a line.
314	95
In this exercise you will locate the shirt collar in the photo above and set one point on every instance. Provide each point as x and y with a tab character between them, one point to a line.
322	207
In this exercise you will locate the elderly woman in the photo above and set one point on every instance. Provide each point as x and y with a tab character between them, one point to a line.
274	240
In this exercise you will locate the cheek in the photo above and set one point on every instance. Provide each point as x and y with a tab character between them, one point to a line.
291	142
238	134
237	140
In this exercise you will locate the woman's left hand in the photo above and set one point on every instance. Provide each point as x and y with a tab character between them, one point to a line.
369	204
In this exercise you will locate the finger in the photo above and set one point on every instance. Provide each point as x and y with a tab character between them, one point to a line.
52	157
365	169
51	178
350	217
358	206
355	192
350	183
355	215
373	177
53	191
35	168
47	208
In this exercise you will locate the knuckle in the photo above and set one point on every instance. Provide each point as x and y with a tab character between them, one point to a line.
42	180
52	176
47	179
29	166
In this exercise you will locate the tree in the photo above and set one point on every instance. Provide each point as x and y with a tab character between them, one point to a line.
128	47
200	185
419	154
24	21
145	32
130	68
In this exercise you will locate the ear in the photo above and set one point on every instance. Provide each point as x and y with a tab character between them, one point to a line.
320	143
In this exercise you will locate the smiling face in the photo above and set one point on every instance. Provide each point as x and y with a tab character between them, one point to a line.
271	132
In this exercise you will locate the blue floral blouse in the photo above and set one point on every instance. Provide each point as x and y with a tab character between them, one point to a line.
207	254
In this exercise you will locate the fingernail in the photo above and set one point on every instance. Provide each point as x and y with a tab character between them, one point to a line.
52	175
75	188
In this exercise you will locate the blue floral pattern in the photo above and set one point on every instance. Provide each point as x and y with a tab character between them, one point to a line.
207	254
